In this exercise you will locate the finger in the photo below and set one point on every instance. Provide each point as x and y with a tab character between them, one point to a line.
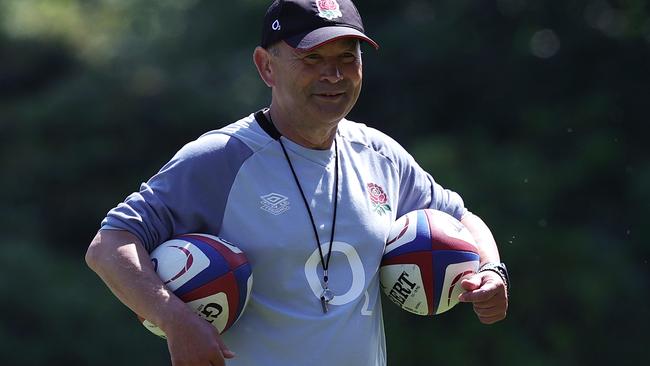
492	319
498	300
487	305
225	351
218	359
485	293
489	312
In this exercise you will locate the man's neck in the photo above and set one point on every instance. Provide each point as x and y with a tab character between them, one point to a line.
319	138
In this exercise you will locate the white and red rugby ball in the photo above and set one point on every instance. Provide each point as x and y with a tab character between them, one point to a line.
210	274
427	254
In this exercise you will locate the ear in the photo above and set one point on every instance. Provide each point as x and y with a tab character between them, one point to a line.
262	60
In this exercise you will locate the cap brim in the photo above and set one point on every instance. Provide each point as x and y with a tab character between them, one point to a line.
325	35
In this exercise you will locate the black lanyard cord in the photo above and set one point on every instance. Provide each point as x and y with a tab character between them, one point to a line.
324	262
268	126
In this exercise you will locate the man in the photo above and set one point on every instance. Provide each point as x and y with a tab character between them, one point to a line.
291	186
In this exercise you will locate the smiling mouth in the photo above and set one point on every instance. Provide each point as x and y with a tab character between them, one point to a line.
330	95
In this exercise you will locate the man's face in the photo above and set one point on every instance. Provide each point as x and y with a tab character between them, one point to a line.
318	86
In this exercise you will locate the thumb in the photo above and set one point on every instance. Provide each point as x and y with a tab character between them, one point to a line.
471	283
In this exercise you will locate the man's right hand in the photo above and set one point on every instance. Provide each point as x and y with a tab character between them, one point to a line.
124	265
192	341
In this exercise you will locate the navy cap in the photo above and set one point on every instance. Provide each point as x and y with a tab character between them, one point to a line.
307	24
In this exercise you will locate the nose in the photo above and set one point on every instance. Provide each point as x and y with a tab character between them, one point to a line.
331	72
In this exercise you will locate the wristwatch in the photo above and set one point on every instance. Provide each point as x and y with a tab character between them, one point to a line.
501	270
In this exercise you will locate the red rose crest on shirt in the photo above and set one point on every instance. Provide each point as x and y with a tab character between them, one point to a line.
378	198
328	9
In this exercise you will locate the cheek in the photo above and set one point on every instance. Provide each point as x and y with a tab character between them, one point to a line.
292	83
302	80
354	73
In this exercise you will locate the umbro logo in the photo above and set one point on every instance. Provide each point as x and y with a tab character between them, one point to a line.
274	203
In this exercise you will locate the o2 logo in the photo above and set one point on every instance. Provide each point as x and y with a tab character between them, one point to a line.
358	275
211	312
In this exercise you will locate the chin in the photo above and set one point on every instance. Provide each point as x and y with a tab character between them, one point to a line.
333	117
331	112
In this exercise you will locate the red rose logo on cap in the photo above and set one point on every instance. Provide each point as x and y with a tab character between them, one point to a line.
327	4
328	9
378	198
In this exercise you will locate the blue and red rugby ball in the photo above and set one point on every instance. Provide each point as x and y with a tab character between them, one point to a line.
210	274
427	254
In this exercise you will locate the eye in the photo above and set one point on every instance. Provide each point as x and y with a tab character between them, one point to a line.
348	57
312	58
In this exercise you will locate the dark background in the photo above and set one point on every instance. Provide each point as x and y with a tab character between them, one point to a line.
534	111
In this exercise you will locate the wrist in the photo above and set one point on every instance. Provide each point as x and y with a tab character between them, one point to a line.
173	313
501	270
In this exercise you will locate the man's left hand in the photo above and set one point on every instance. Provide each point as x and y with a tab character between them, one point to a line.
487	292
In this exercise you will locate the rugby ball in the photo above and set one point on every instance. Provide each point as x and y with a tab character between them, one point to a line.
427	254
210	274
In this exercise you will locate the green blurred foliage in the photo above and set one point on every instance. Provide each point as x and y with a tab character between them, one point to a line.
535	112
55	313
